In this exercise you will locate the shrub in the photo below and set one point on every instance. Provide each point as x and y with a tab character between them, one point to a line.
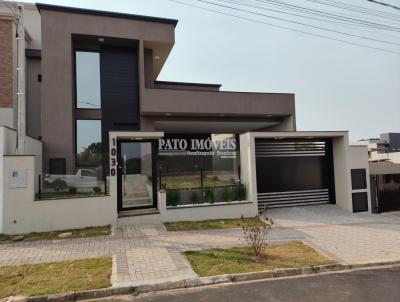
72	190
173	198
209	194
215	178
227	195
97	190
240	192
256	236
194	197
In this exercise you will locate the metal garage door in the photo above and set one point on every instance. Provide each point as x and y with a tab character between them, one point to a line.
388	192
294	172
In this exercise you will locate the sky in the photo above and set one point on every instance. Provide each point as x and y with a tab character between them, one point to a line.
337	86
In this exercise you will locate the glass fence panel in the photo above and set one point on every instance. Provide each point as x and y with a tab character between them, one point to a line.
61	179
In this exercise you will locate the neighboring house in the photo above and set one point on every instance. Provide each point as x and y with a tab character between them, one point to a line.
106	139
385	148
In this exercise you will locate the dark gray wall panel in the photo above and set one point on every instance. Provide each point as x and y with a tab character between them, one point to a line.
119	90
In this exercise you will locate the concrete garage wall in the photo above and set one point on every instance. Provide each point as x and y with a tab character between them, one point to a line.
342	172
358	159
20	213
203	212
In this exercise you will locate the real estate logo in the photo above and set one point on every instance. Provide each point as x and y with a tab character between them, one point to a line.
225	148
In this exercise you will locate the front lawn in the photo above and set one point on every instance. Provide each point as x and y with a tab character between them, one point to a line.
241	259
74	233
56	277
211	224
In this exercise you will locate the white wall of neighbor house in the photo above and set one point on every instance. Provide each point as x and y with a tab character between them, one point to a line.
1	195
7	117
8	141
21	213
358	159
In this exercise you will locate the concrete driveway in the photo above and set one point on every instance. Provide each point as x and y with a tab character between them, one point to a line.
350	238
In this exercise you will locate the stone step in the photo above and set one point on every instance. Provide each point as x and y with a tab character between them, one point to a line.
139	212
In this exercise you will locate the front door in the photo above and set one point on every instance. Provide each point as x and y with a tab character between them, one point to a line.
136	168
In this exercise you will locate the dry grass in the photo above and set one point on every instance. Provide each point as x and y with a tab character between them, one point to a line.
76	233
57	277
241	260
211	224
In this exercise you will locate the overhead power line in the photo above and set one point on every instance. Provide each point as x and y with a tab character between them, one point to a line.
298	23
325	14
286	28
309	15
384	4
357	9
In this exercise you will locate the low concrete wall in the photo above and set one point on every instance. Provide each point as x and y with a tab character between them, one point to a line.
22	214
204	212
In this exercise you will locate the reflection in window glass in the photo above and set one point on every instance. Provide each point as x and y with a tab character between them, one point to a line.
88	80
194	161
88	143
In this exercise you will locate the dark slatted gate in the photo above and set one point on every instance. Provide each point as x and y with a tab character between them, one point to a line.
294	172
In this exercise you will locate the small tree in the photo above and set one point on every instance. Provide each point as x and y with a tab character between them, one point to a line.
256	236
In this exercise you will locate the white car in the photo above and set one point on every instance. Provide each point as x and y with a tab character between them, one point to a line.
84	181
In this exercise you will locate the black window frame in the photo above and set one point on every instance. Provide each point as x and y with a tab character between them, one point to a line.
356	182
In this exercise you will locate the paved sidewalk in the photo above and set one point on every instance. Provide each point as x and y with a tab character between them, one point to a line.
349	238
147	253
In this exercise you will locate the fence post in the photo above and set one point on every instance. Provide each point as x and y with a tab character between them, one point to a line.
40	186
201	177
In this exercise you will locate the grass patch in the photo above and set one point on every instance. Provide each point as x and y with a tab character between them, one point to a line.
241	260
210	224
75	233
56	277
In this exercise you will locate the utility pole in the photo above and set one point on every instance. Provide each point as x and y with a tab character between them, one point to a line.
21	119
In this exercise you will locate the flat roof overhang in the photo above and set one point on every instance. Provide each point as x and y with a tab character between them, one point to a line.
170	102
84	11
213	126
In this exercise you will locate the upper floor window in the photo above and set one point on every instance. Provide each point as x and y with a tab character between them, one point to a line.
87	80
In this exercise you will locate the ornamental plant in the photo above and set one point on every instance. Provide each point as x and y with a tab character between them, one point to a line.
256	236
209	194
194	198
173	198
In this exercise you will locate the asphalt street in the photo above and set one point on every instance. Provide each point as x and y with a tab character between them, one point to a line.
372	285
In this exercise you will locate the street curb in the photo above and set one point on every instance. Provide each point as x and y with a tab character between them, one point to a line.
196	282
74	296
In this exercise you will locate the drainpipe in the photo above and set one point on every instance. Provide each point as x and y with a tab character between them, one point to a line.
21	119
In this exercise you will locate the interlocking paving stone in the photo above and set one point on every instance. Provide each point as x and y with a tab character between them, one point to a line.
147	254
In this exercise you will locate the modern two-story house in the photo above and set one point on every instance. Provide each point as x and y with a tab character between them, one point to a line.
106	139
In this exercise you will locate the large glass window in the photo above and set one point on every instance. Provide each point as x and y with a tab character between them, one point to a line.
196	161
87	80
88	143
